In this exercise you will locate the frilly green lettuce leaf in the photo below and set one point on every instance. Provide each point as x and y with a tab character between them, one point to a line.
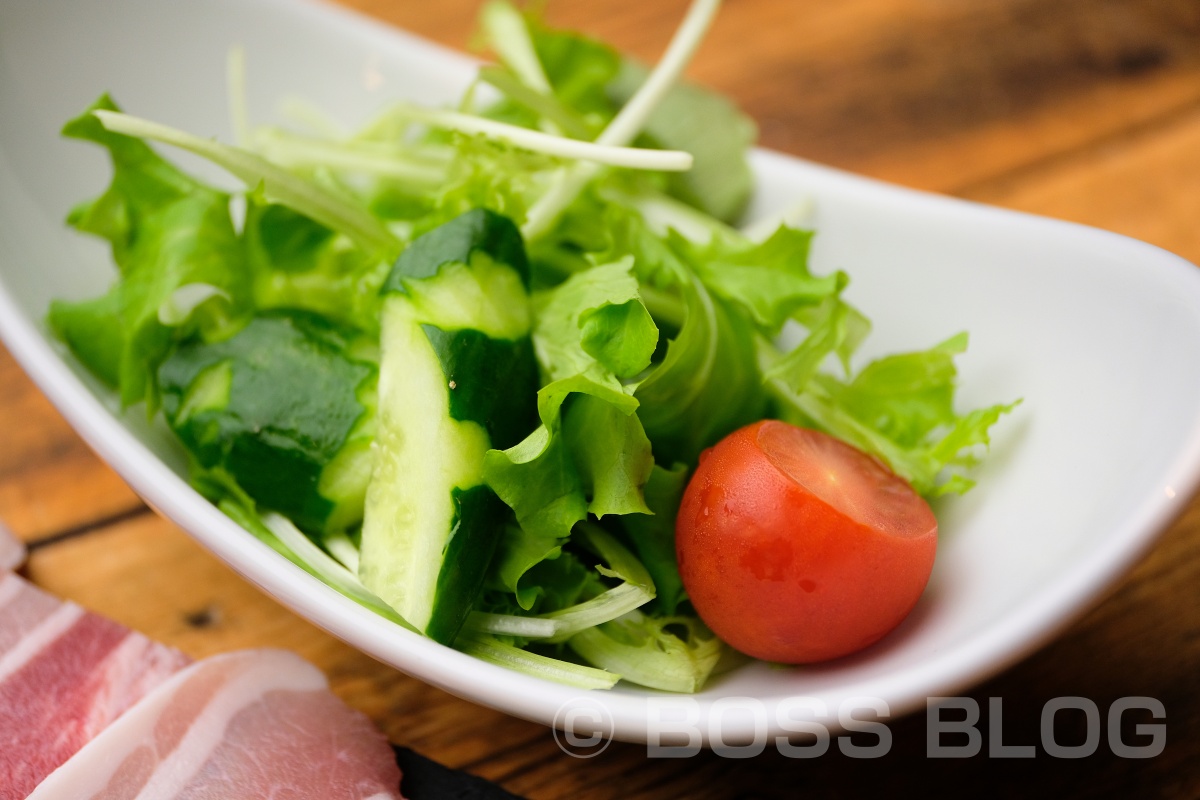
901	409
492	174
295	262
770	280
167	231
614	465
834	328
708	384
592	322
674	654
590	452
554	578
620	336
93	331
538	479
653	535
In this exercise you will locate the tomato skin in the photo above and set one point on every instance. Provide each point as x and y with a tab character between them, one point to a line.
783	573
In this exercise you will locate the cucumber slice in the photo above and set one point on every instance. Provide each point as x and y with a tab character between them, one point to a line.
457	377
282	409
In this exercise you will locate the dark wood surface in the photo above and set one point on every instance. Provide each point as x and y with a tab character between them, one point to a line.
1087	110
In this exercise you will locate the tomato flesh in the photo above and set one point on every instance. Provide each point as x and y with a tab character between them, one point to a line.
796	547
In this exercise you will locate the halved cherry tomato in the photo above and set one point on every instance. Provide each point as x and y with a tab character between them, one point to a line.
796	547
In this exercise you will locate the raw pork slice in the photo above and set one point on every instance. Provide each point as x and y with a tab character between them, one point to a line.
255	723
65	674
12	552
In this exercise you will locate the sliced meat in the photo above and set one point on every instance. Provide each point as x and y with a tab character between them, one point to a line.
256	723
65	674
12	551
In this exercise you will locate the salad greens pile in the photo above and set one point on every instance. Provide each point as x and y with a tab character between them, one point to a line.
459	364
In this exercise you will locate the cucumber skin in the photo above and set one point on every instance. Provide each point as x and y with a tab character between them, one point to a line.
474	365
294	405
478	513
455	241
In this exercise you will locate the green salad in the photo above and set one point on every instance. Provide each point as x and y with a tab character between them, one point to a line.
460	364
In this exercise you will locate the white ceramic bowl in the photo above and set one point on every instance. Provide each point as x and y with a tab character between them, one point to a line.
1099	334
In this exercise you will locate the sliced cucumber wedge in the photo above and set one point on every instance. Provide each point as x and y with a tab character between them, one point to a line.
283	409
457	377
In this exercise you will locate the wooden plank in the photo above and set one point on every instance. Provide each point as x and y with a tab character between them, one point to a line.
49	480
1145	185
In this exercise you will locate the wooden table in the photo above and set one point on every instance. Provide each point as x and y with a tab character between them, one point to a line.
1086	110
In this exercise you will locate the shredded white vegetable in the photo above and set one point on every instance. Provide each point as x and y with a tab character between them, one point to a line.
494	651
304	196
510	38
632	117
553	145
629	120
372	158
797	215
326	567
559	625
235	86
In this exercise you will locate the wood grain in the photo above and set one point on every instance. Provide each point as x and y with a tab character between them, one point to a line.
50	482
1086	110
